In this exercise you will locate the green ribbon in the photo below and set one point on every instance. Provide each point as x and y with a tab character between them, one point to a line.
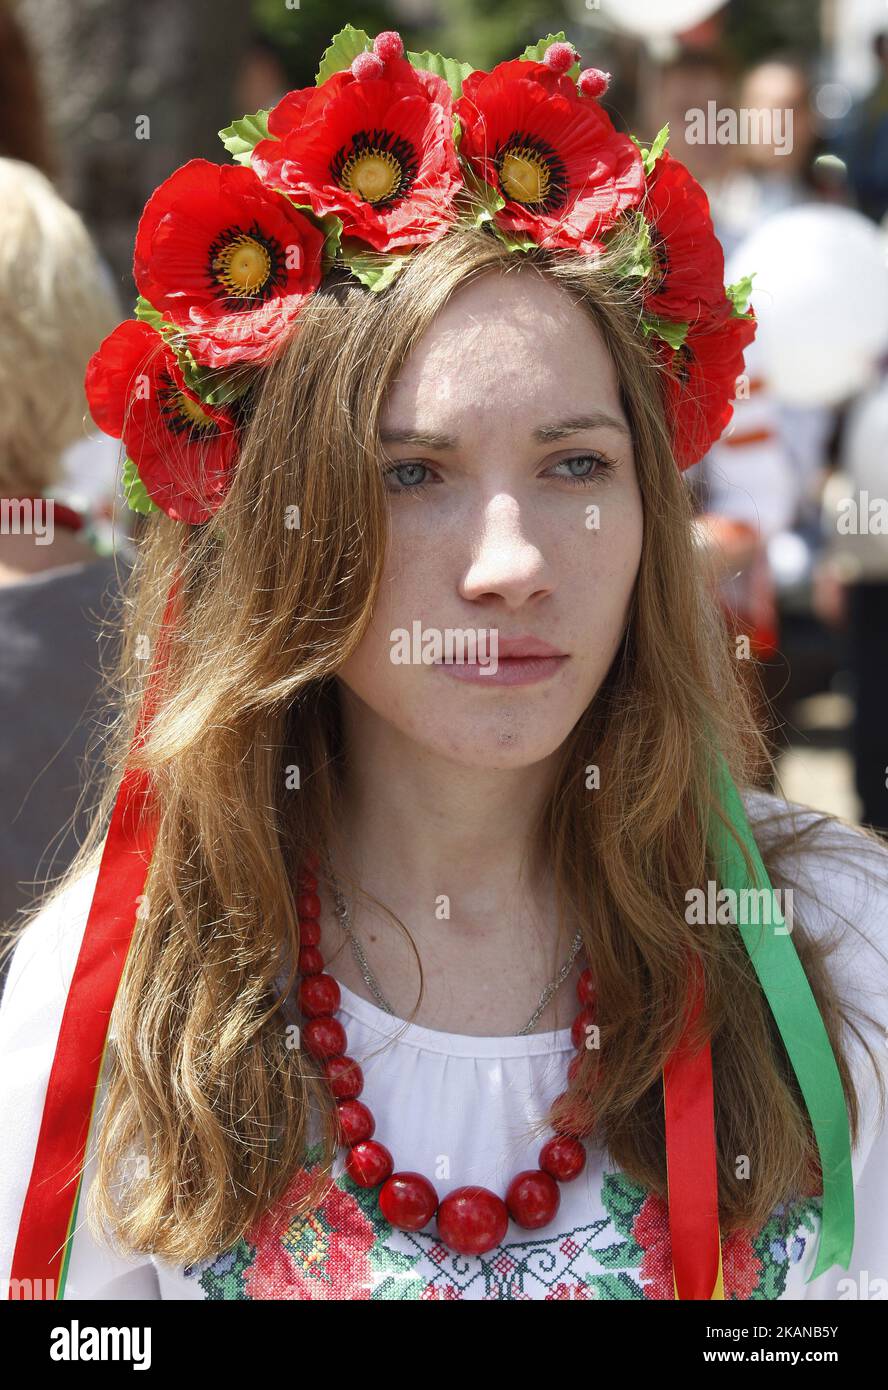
795	1011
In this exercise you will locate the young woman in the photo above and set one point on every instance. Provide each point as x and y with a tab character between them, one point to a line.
431	986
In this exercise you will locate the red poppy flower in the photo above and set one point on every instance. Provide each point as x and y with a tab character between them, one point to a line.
564	171
227	259
377	152
701	381
688	279
183	448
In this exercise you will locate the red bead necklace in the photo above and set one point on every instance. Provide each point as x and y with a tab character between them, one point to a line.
470	1220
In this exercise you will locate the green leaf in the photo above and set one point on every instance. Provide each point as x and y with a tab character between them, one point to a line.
453	72
639	260
241	137
536	52
672	333
739	293
484	200
514	240
148	314
346	46
170	332
374	269
650	157
214	386
134	490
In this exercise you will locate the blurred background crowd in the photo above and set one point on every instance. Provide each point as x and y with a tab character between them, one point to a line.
779	108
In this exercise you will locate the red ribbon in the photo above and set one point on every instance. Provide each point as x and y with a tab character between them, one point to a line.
51	1199
691	1163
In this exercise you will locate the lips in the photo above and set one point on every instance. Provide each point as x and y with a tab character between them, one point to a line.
518	648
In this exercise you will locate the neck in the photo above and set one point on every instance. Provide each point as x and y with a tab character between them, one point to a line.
414	826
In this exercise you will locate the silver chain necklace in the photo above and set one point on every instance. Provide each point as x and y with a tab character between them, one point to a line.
373	985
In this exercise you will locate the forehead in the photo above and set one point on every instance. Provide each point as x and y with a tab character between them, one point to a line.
510	345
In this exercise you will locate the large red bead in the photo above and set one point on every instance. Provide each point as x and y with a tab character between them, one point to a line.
563	1158
356	1122
532	1198
586	992
308	905
344	1076
311	962
310	860
309	932
319	995
567	1117
578	1034
472	1220
408	1201
369	1163
306	882
324	1037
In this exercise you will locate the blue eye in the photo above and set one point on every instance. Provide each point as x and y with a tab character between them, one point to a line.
400	468
601	464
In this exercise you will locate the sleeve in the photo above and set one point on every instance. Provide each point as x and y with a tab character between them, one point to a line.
843	897
30	1018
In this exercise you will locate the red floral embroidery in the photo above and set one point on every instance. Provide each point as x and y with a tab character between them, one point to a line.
741	1267
325	1255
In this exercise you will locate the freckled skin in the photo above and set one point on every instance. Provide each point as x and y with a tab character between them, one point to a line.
498	538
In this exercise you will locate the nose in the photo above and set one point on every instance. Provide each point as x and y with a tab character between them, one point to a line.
506	563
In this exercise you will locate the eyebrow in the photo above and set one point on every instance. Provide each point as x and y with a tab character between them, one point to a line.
555	429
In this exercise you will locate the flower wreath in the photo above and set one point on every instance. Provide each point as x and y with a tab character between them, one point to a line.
386	153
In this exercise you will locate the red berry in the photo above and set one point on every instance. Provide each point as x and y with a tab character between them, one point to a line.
408	1201
309	932
318	995
472	1220
532	1198
367	65
388	44
344	1077
311	962
324	1037
308	905
369	1163
356	1122
560	56
592	82
563	1158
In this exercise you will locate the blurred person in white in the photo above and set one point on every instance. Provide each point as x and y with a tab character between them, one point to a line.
852	585
56	305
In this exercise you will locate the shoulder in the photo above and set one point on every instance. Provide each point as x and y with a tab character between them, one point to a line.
42	965
838	875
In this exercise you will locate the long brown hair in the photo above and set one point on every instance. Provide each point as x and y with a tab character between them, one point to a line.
202	1079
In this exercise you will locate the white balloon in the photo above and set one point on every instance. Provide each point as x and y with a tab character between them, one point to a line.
821	297
652	17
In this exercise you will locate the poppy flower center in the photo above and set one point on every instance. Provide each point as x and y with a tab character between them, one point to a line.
378	167
247	266
530	172
243	266
660	259
181	414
